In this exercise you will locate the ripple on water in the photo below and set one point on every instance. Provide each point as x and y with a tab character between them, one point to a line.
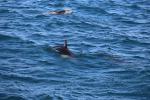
5	37
5	96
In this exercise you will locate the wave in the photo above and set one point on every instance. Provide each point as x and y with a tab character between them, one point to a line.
136	94
31	79
6	96
49	97
134	21
4	10
6	37
129	41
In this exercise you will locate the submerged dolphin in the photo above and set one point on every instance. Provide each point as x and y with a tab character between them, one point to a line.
61	12
63	50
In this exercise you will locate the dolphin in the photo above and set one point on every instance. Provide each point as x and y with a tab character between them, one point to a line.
63	50
61	12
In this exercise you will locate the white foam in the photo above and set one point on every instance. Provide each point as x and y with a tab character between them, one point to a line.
65	56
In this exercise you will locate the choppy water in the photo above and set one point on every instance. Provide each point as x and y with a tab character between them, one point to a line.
110	40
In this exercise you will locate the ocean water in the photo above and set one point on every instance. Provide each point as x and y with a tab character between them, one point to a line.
109	38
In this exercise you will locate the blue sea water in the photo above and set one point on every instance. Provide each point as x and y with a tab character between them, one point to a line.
110	40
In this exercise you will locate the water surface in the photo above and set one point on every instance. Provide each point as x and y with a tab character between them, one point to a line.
110	40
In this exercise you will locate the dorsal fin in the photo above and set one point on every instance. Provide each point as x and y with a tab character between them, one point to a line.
65	44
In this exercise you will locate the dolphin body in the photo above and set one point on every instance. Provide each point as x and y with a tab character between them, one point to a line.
61	12
63	50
